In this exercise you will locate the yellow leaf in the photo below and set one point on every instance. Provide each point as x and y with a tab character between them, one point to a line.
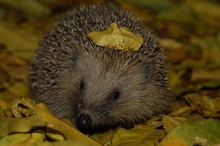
180	111
139	135
169	123
118	38
58	125
18	39
202	103
11	125
65	143
19	89
42	118
2	113
104	137
14	139
19	110
201	74
56	137
154	122
173	143
22	139
36	139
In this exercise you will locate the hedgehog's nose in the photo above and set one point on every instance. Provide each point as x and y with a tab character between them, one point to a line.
84	121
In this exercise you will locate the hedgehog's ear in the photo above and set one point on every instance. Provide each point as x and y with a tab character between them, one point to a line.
148	71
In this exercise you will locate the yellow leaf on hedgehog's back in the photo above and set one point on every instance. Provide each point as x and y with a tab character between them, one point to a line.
118	38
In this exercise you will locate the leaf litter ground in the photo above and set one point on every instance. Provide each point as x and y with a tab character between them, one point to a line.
189	33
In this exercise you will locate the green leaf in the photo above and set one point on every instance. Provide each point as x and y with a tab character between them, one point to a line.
188	133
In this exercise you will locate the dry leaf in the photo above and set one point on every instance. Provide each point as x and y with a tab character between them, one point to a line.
169	123
52	122
65	143
31	139
10	125
36	139
44	119
187	46
56	137
2	113
118	38
20	110
175	51
180	111
19	139
34	7
140	135
201	74
17	39
185	134
19	89
202	103
105	137
154	122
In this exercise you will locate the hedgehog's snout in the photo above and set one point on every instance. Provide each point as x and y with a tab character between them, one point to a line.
83	121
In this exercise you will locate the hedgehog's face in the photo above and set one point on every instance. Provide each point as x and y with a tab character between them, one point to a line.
113	94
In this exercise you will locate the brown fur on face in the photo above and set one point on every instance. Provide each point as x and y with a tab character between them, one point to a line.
75	77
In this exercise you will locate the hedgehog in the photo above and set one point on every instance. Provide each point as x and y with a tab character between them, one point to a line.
99	88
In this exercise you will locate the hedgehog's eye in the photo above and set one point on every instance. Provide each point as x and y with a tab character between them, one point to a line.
82	84
115	95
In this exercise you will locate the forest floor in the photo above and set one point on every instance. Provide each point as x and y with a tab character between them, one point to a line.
187	30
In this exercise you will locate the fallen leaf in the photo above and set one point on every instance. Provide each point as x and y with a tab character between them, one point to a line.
55	137
11	59
58	125
20	110
15	139
36	139
6	99
41	118
175	51
139	135
22	40
204	75
33	7
2	113
10	125
180	111
19	89
169	123
204	8
118	38
155	122
104	137
65	143
184	134
202	103
174	79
